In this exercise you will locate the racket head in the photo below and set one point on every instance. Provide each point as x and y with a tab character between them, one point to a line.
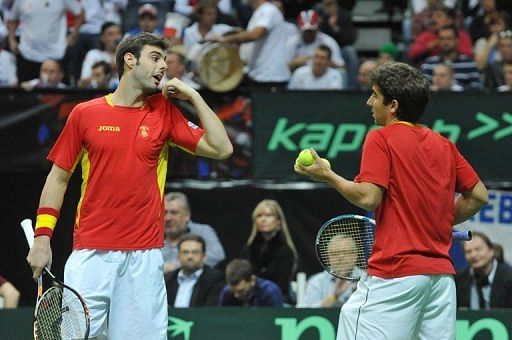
61	313
344	244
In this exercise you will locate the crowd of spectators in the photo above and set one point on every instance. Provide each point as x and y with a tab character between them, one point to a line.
298	45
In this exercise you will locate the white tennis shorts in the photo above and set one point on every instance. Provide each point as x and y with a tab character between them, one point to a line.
124	290
405	308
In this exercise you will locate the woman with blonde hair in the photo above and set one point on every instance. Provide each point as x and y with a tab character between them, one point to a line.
270	248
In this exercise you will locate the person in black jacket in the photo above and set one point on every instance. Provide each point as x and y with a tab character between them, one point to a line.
485	283
270	248
194	284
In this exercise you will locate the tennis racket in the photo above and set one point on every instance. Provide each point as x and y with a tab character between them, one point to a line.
60	313
344	245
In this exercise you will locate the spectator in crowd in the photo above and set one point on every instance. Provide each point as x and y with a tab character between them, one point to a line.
265	55
204	28
244	288
486	51
109	38
176	68
8	77
302	46
485	283
9	294
507	76
499	255
194	283
428	43
270	248
224	12
337	23
477	23
388	53
421	21
178	223
318	75
363	78
102	77
148	21
43	33
50	77
324	290
494	72
443	80
464	68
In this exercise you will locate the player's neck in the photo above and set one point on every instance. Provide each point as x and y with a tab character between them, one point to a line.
126	95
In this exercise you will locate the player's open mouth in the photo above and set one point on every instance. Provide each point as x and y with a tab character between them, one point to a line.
158	78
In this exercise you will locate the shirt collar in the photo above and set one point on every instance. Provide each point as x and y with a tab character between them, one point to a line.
194	276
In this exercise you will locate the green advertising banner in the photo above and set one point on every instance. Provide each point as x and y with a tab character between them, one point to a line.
225	323
336	123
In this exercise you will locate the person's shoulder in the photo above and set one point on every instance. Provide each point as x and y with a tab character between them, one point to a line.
462	273
432	60
212	273
267	285
91	104
320	276
303	70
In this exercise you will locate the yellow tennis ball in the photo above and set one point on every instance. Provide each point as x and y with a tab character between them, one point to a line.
305	158
326	161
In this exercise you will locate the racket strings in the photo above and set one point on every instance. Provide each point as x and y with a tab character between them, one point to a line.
345	246
60	315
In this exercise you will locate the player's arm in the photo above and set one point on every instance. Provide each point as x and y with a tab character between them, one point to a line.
215	142
363	195
10	295
244	36
52	197
470	202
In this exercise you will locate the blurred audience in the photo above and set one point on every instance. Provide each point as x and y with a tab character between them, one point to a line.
9	294
363	78
485	283
486	51
443	80
177	223
194	283
102	76
177	68
499	255
302	46
109	38
8	76
388	53
464	68
429	43
270	248
318	75
51	74
507	76
244	288
494	75
43	33
147	20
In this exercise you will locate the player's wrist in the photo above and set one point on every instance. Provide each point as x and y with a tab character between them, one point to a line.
46	221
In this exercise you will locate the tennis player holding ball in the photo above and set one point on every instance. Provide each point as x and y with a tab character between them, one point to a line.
409	175
122	141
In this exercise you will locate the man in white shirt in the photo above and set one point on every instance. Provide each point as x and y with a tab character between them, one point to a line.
194	284
8	75
318	75
266	33
44	34
302	46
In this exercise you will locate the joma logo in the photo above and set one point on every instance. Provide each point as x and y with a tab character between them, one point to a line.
109	128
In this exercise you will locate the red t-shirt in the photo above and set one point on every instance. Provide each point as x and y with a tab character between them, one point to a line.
123	152
421	171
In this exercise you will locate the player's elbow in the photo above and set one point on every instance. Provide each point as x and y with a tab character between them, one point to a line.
225	152
479	195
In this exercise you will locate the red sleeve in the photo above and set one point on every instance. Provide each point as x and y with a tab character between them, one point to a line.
68	146
465	44
419	47
183	132
466	175
375	161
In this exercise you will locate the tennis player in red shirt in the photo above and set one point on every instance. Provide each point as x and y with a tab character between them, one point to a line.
409	175
122	141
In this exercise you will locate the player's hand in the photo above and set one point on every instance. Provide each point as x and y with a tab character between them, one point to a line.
318	171
341	287
175	88
40	255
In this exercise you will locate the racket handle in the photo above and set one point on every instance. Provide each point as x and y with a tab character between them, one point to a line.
26	224
462	235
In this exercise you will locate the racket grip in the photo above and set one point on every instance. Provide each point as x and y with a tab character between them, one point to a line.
462	235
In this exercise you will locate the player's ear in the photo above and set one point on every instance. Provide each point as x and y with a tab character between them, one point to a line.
394	106
130	60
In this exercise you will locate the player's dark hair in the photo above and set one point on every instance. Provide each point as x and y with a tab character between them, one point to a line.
192	237
405	84
134	44
238	270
